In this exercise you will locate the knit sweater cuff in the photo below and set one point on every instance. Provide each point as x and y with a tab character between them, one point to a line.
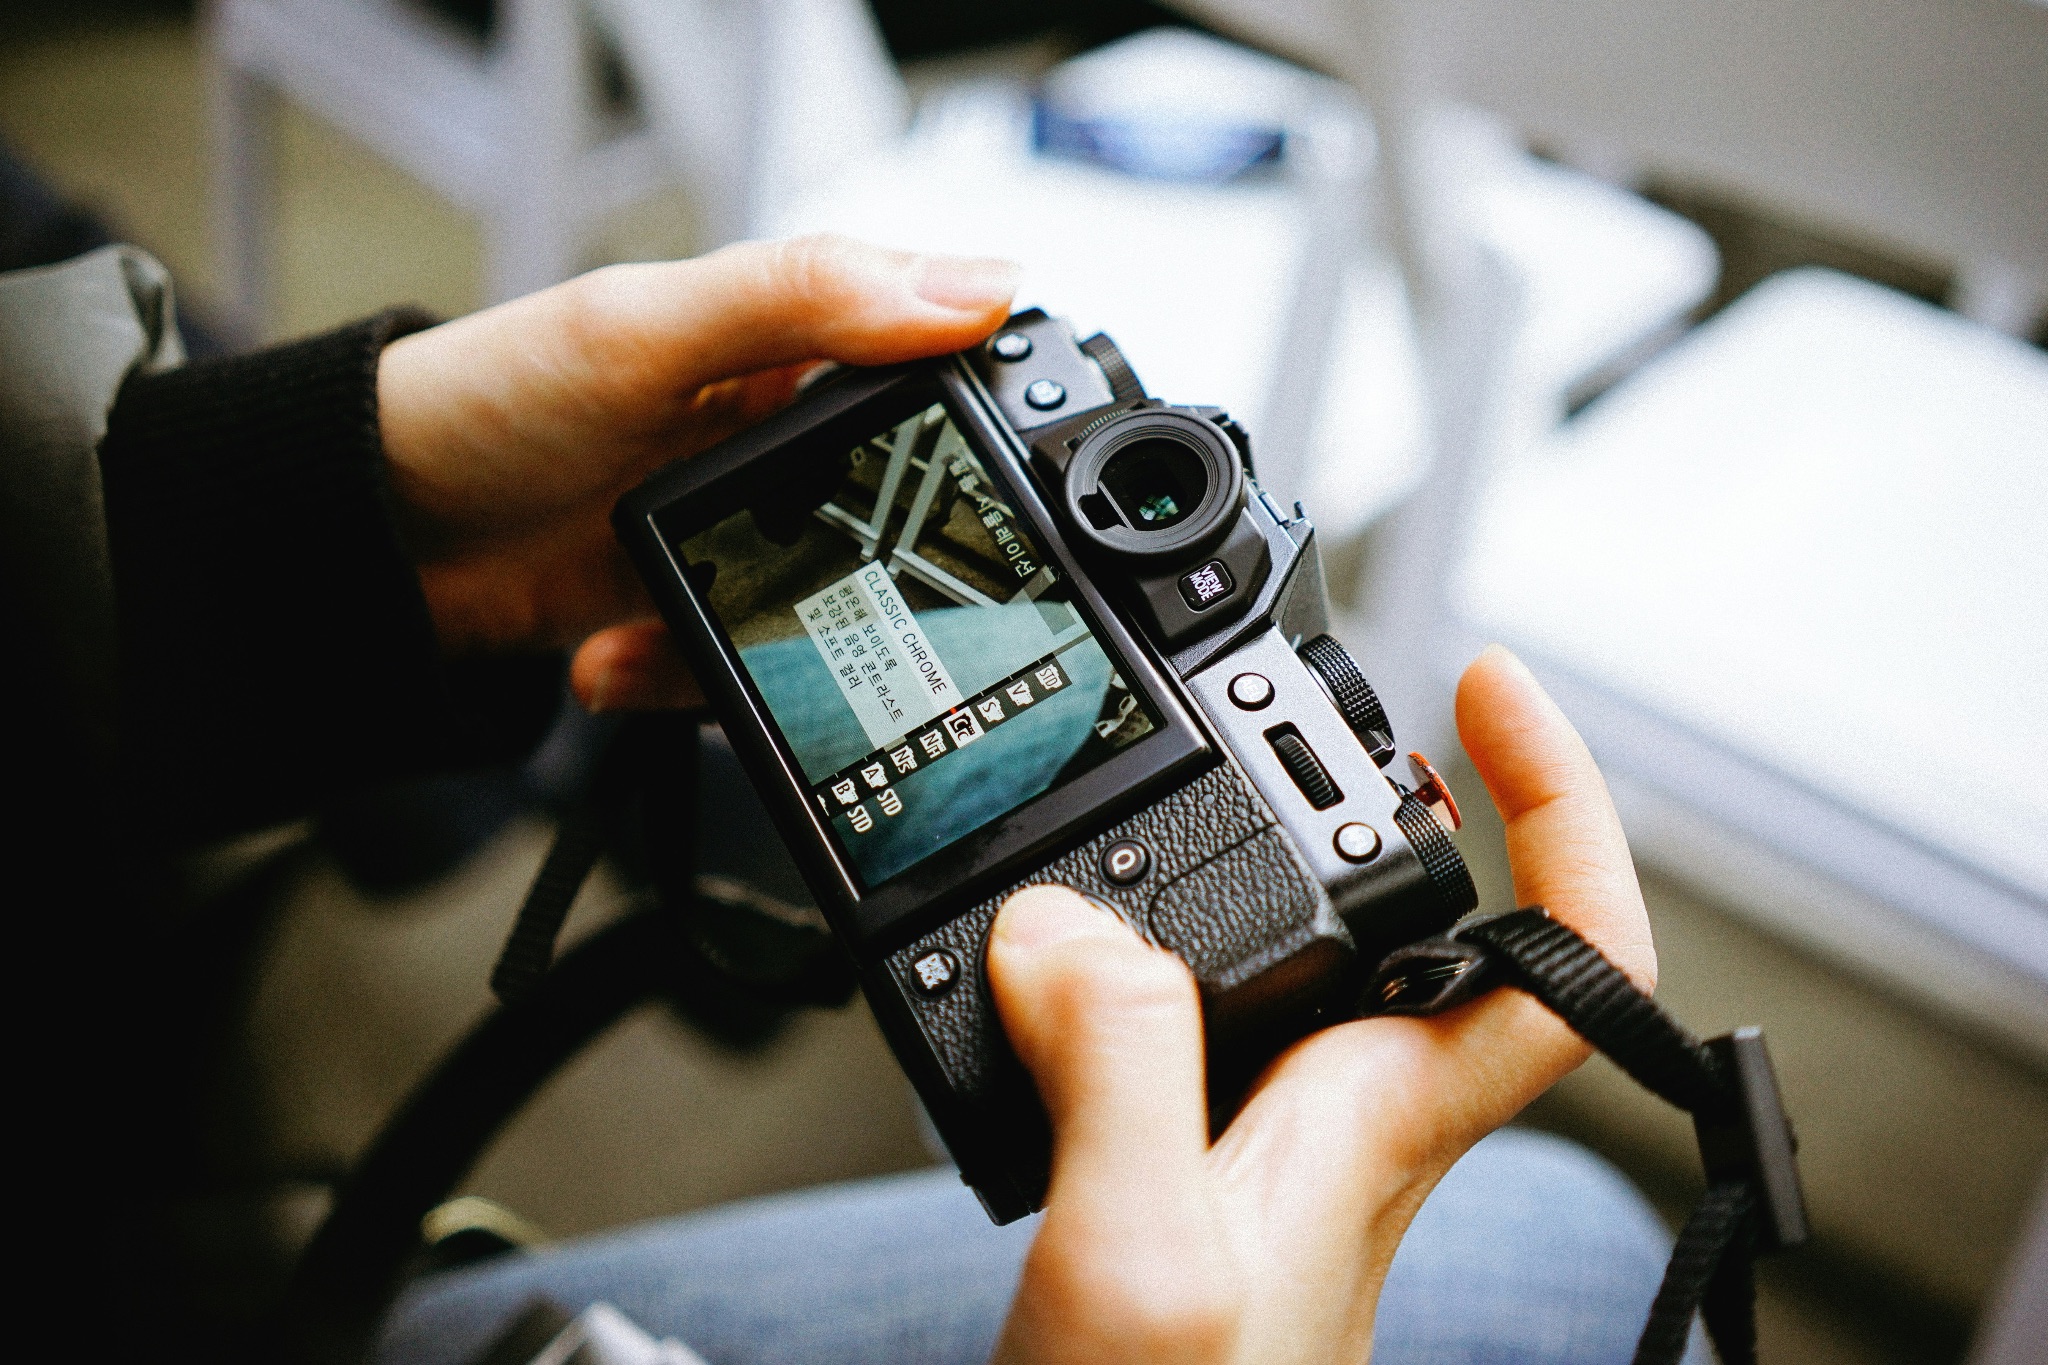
275	645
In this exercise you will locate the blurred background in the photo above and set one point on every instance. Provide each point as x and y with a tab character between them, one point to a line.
1695	351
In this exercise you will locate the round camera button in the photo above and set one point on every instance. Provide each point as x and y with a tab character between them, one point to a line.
937	972
1251	691
1045	394
1126	862
1357	843
1011	346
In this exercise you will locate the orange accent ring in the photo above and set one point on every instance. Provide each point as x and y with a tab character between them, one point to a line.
1435	791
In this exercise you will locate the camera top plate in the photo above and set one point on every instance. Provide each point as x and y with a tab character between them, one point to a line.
1030	352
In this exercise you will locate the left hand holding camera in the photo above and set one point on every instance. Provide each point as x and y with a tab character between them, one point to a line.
1271	1244
510	433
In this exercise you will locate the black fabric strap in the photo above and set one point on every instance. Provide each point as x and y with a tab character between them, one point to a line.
530	950
1569	975
1709	1270
1711	1267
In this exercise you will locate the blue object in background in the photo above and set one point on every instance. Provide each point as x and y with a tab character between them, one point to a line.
1156	148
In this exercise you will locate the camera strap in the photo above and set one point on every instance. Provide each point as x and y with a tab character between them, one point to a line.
1753	1203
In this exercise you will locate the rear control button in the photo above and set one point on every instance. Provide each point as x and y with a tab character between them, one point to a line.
1045	394
1356	843
1251	691
1011	346
1206	586
1126	862
935	973
1304	767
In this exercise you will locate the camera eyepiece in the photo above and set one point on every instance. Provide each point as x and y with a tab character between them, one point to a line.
1155	484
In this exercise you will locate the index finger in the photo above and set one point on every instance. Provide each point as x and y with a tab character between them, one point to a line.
759	305
1565	841
1427	1088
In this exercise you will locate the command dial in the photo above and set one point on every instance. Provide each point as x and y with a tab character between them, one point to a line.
1353	696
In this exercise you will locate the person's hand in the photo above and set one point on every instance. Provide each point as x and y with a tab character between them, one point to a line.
1270	1245
510	433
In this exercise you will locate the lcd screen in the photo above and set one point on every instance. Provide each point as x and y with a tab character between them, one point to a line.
927	668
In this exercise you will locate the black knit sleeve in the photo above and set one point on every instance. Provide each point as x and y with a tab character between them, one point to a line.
275	644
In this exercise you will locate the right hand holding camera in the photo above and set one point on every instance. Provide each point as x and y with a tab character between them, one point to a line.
1271	1244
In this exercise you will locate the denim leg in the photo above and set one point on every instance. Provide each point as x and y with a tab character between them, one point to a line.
1531	1251
905	1270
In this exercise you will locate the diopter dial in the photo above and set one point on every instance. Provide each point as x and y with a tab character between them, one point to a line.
1353	696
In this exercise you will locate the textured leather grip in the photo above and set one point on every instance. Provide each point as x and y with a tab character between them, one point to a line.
1225	890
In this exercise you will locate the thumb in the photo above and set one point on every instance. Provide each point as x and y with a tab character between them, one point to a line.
1111	1030
632	667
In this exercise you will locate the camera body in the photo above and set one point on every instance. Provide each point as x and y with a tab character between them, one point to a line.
999	618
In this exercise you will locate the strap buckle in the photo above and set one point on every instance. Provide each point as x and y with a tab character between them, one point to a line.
1429	977
1750	1138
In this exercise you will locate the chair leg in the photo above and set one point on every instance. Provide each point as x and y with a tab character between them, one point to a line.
2000	297
1333	188
533	237
528	247
244	194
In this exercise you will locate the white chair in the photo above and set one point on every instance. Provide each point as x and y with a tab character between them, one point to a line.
1924	132
1787	577
1905	601
1244	294
739	101
1791	575
510	131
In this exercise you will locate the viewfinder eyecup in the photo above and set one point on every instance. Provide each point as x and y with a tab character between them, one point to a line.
1155	485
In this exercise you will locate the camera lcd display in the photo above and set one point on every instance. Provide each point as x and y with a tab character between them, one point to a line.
927	668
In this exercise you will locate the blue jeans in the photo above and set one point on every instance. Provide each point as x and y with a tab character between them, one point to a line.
1531	1250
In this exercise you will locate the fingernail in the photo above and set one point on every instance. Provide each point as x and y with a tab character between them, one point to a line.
1512	660
968	284
1042	916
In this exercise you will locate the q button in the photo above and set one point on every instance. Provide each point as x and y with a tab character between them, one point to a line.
1126	862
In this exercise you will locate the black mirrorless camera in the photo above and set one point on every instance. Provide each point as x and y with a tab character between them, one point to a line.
999	618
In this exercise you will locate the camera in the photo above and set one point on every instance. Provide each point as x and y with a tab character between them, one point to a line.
1000	618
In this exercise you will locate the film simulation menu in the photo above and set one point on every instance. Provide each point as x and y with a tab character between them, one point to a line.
865	788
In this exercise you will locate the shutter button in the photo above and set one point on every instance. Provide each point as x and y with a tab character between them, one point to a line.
1436	794
1011	346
